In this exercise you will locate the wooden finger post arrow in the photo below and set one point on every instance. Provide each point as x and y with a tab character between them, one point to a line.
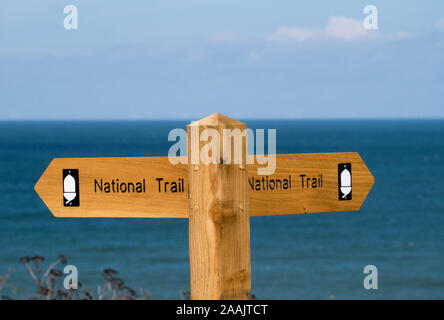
217	198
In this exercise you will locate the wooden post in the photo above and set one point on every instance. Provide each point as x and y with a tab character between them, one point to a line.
219	227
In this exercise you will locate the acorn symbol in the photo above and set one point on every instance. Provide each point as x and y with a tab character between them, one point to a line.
69	188
345	183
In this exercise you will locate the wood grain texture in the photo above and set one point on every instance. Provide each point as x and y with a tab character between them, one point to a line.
308	200
158	205
219	229
150	204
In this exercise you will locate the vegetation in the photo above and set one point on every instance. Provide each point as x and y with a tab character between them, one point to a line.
49	284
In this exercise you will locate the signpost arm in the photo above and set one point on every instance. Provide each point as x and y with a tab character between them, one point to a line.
219	228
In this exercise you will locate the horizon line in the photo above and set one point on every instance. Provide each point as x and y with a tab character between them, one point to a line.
196	118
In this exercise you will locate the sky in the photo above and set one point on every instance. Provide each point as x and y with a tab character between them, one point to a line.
247	59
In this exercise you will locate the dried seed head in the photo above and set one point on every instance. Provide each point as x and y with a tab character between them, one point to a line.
110	271
62	259
56	273
37	258
25	259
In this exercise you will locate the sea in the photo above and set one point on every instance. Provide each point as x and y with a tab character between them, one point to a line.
399	229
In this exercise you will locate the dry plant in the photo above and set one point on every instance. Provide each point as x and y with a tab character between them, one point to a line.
49	285
3	284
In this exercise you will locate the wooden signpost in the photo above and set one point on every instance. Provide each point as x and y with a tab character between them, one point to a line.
152	187
217	198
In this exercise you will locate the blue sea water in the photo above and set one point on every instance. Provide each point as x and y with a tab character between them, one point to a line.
400	228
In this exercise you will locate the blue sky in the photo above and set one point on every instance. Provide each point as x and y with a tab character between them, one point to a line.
247	59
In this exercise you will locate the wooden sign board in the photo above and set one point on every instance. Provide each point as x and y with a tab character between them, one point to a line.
116	188
308	183
152	187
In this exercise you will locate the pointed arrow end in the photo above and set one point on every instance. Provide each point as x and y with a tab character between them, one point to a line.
41	187
370	180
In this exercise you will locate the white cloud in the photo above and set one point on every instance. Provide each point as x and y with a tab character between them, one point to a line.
345	28
296	34
440	24
337	27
